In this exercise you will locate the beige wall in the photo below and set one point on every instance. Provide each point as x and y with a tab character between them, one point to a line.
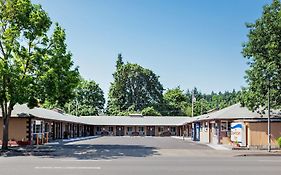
257	133
17	129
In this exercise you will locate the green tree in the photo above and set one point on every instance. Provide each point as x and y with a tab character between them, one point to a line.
201	106
134	88
150	111
263	53
33	67
88	101
209	102
175	102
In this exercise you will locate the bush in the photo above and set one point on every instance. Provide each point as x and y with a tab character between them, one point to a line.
279	142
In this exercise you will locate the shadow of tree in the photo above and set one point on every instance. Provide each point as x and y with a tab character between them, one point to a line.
86	151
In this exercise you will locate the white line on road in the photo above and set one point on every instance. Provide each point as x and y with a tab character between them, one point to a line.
70	168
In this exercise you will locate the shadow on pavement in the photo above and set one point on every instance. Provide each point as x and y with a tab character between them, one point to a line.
84	151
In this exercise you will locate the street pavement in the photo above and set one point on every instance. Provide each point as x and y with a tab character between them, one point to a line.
138	156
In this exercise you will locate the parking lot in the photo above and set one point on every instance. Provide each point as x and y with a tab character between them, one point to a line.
137	155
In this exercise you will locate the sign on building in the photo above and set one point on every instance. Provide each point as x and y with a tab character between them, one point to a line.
237	133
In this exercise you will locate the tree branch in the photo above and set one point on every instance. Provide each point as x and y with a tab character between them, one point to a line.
2	50
27	61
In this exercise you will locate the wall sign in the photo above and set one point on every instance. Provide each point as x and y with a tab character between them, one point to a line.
237	132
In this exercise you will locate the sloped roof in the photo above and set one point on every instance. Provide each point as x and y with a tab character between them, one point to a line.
228	113
232	112
136	121
23	110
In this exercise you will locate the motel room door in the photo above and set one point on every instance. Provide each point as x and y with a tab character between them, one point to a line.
213	133
150	131
120	131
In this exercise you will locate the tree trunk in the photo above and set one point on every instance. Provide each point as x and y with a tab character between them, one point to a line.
6	114
5	133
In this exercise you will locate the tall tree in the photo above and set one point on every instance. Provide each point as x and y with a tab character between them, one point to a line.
33	68
119	62
134	88
209	102
88	101
263	50
175	102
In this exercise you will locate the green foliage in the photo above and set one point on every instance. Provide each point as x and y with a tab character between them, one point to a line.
33	66
133	89
150	111
279	141
137	89
58	79
263	52
213	101
175	102
88	101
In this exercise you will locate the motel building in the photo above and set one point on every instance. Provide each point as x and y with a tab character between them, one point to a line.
237	126
234	126
39	126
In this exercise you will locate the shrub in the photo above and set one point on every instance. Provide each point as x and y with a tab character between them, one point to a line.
279	142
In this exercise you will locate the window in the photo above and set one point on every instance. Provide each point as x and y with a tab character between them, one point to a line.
141	129
47	128
37	126
110	129
173	129
160	129
130	129
224	126
205	124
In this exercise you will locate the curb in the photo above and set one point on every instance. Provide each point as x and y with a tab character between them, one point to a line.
259	155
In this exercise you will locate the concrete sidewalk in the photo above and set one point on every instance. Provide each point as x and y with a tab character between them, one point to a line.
213	146
220	147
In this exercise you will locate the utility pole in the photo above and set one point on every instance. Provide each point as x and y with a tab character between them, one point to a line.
201	107
268	122
192	101
76	107
192	108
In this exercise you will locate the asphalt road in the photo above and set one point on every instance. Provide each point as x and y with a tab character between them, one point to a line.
138	156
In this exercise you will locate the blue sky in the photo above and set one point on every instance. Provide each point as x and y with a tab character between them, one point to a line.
187	43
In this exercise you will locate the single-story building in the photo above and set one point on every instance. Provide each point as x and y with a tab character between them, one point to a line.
236	125
231	125
40	125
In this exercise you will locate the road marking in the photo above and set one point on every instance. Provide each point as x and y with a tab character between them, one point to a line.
70	168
